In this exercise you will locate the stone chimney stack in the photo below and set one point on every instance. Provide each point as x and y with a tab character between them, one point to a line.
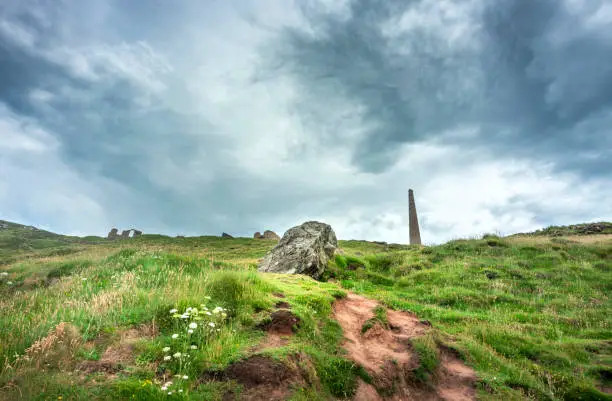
413	221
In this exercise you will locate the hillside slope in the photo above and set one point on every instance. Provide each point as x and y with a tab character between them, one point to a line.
531	319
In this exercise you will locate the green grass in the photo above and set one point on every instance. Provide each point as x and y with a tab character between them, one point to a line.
380	317
532	318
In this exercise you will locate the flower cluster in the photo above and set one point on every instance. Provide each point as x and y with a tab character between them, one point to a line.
192	329
169	385
3	275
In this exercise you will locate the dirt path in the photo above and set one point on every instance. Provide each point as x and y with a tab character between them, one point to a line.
387	355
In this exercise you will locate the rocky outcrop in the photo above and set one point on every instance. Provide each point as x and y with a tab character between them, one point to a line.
226	235
271	235
304	249
125	234
268	234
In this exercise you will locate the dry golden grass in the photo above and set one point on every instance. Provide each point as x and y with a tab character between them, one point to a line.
543	240
55	350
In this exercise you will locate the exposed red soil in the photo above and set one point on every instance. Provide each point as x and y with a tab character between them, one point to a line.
282	305
266	379
258	370
282	322
388	357
280	327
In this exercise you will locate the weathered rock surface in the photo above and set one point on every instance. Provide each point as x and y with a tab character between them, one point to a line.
304	249
114	233
270	235
226	235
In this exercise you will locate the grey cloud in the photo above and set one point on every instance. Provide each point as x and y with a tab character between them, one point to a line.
139	143
526	87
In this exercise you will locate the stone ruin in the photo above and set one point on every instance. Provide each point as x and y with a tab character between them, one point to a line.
268	234
114	234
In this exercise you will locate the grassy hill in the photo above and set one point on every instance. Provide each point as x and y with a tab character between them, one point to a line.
89	319
575	229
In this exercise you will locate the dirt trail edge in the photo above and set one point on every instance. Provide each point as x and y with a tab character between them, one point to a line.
387	354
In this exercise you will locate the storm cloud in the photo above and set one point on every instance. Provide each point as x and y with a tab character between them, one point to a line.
198	117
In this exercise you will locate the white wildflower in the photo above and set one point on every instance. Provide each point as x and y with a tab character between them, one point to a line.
166	349
184	316
177	355
190	331
9	282
193	325
169	392
208	313
4	274
185	377
194	347
181	390
188	309
173	311
167	358
207	298
175	336
211	324
84	279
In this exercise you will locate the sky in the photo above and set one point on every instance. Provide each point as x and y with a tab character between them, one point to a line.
197	117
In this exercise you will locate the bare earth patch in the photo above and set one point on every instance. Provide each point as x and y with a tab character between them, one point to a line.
388	357
121	353
267	379
280	327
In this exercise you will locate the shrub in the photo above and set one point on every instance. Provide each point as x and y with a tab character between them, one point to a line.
429	357
379	279
383	262
339	376
66	269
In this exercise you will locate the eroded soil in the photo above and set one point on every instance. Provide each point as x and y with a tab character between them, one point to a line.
387	355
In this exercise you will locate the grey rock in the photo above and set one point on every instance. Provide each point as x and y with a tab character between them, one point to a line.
137	233
125	234
257	235
270	235
226	235
112	234
304	249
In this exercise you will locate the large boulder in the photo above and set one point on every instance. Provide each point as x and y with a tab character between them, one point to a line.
304	249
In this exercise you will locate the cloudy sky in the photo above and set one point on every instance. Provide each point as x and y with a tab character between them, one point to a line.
196	117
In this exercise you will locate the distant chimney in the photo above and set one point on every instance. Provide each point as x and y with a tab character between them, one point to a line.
413	221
